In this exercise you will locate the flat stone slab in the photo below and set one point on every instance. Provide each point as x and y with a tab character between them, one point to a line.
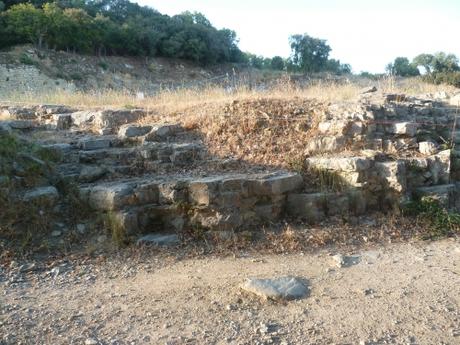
282	288
159	239
45	195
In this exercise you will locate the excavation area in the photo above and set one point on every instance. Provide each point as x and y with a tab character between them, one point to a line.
260	217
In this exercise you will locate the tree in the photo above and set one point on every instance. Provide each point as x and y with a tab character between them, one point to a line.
309	54
443	62
277	63
402	67
425	61
28	23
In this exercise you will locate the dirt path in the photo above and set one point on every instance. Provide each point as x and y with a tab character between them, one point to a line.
400	294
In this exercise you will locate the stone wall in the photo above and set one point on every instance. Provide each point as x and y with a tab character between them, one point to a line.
24	78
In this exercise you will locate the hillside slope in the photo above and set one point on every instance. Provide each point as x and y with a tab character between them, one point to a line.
26	69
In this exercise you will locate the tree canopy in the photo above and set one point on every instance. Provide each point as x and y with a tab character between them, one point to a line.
115	27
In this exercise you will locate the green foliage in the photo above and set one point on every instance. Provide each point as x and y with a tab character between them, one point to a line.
116	27
309	54
277	63
103	65
437	63
441	221
451	78
27	60
402	67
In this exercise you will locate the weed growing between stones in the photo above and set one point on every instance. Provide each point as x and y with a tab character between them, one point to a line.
441	222
115	229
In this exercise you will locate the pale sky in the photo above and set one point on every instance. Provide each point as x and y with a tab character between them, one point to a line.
365	33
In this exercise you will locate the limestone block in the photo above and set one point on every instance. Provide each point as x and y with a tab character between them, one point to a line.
129	131
203	191
162	132
63	121
443	193
89	144
275	184
128	221
403	128
427	147
340	163
455	100
108	197
268	212
23	124
43	196
172	192
146	193
439	167
392	174
311	207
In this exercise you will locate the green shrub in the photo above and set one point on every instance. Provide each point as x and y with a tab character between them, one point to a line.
27	60
450	78
440	220
104	65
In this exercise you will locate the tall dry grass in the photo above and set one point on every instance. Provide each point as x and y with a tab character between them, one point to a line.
186	97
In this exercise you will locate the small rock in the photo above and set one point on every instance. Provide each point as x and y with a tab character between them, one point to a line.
230	307
369	89
91	341
56	233
427	147
43	195
339	260
286	288
368	292
81	228
159	239
27	267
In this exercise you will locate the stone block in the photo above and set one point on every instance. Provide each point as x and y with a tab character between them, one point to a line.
172	192
146	193
350	164
275	184
311	207
129	131
455	100
439	167
268	212
63	121
162	132
443	193
89	144
23	124
203	191
392	175
42	196
108	197
326	144
427	147
128	221
403	128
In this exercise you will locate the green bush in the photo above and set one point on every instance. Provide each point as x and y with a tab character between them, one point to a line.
27	60
450	78
440	220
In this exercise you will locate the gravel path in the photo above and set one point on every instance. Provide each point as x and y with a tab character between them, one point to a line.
399	294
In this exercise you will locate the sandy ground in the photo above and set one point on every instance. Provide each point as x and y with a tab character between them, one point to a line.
399	294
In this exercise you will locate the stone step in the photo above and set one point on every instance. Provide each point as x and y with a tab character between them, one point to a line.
315	207
217	202
445	194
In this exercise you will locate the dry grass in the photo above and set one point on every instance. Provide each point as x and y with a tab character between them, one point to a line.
175	100
168	100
